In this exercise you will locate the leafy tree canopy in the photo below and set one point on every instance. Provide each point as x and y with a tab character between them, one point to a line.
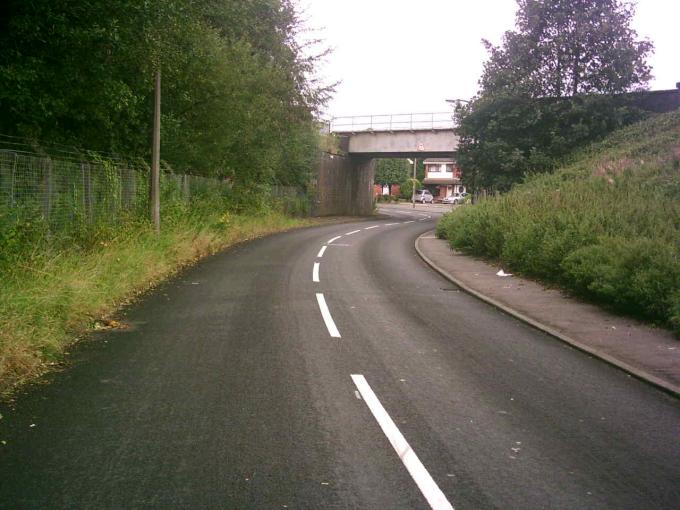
238	94
552	86
568	47
392	171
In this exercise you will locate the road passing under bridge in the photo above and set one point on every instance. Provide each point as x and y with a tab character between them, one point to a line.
345	180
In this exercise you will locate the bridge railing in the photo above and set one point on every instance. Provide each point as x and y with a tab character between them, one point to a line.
393	122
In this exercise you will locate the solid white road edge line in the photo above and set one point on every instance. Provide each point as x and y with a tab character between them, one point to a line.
334	239
352	232
315	272
321	251
374	226
433	494
326	314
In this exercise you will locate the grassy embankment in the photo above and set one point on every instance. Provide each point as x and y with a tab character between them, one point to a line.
50	297
605	227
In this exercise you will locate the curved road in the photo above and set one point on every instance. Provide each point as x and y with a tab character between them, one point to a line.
330	368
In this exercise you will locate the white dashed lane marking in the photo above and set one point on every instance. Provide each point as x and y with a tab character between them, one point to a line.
433	494
315	272
321	251
326	314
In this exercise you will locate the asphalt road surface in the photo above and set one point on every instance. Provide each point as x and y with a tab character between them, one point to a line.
330	368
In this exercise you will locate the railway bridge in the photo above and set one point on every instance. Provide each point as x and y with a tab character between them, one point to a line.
344	183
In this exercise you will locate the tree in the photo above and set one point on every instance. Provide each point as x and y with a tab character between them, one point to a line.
553	86
239	96
504	138
392	171
568	47
406	187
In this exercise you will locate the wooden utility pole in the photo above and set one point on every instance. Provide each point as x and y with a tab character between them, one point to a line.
155	182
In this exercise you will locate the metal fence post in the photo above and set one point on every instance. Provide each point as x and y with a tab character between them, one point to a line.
87	191
7	171
186	188
13	180
46	165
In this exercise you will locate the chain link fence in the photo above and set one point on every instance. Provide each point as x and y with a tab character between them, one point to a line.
67	192
62	192
61	196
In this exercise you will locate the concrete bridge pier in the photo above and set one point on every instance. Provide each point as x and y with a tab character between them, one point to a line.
344	185
362	176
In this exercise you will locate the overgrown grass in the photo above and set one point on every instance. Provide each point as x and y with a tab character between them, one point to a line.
606	227
53	291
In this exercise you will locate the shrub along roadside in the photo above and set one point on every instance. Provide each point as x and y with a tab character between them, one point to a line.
50	297
606	227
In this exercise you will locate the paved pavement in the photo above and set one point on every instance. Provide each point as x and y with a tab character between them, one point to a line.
652	354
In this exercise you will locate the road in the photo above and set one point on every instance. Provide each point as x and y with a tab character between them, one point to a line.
244	383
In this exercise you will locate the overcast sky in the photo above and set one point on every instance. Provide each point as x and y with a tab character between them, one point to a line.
408	56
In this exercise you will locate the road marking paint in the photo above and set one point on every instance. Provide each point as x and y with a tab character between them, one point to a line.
422	219
433	494
326	314
412	221
352	232
334	239
315	272
403	213
357	394
374	226
390	224
321	251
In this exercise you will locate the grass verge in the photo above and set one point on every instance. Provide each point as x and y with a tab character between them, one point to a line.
49	298
606	227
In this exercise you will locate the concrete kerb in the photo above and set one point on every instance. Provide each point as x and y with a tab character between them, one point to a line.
639	374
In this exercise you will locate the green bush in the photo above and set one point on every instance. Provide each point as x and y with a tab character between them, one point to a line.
406	188
606	227
636	276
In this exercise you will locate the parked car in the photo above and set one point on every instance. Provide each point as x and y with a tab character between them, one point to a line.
424	196
455	198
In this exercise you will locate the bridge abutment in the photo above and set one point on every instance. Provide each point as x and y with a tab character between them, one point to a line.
344	185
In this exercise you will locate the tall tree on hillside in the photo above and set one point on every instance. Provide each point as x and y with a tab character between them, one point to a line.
552	86
568	47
